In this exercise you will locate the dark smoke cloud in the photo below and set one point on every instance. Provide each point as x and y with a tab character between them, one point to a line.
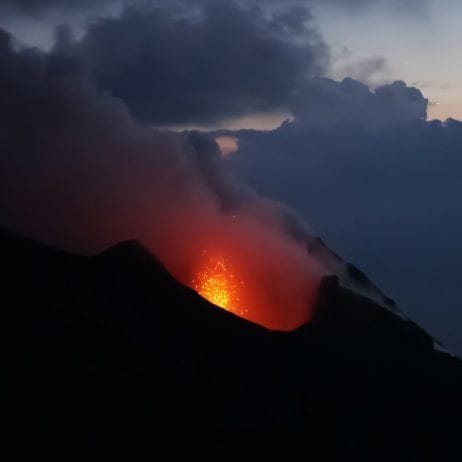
77	171
70	153
173	67
380	183
34	6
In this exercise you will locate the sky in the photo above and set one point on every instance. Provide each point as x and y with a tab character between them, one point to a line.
414	41
332	118
419	46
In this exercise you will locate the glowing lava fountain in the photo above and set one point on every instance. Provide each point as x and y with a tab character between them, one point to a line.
217	282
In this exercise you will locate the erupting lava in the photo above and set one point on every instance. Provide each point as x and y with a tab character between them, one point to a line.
273	284
216	282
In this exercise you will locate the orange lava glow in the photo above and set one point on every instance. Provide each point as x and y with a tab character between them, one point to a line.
217	282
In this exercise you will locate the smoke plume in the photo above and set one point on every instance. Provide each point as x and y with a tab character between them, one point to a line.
77	171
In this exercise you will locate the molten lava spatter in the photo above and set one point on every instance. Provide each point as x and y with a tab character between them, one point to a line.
216	282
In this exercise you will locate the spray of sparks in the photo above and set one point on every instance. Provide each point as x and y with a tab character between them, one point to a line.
217	283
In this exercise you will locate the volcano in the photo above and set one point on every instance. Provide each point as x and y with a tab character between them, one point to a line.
112	357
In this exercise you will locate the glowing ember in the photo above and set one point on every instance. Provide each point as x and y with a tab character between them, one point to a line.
217	283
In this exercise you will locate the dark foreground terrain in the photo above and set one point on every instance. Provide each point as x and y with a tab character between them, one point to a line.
112	358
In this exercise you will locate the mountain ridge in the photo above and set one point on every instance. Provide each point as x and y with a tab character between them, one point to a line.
124	360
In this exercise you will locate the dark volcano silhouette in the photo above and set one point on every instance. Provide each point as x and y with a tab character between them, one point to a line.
112	357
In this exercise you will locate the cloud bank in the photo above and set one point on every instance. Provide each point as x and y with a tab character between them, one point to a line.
381	185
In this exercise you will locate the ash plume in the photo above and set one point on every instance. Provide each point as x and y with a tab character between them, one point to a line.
78	171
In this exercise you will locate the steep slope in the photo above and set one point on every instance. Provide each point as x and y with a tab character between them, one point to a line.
112	357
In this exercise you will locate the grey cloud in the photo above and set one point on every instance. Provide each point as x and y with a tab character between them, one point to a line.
380	184
33	6
224	61
36	7
407	6
362	3
328	103
372	71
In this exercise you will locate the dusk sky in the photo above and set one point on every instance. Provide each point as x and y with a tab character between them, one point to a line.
376	41
349	112
414	41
